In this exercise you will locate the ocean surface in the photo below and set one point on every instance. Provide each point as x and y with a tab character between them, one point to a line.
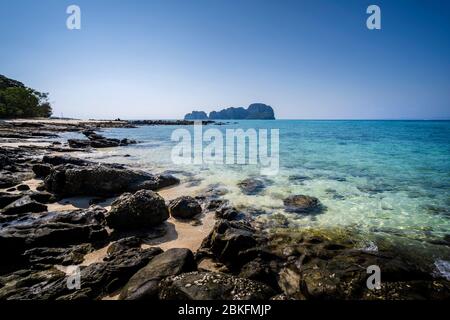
381	179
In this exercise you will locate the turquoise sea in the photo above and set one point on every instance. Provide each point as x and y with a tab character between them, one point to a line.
381	179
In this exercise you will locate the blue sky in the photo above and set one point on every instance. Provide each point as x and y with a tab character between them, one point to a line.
163	58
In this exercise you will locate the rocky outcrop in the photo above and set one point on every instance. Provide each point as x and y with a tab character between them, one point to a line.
145	283
96	140
196	115
213	286
23	205
97	279
102	180
142	209
256	111
184	207
51	229
45	256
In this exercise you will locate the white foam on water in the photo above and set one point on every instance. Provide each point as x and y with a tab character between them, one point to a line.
443	268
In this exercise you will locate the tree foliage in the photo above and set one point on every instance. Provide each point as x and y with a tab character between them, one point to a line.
19	101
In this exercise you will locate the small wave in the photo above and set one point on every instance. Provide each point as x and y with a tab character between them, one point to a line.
442	268
370	247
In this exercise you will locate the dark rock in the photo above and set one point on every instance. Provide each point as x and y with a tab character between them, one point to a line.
184	207
227	240
7	198
23	205
51	229
323	269
212	286
124	243
262	271
22	187
126	142
24	284
79	143
105	143
56	160
41	170
144	284
8	180
97	279
302	204
143	209
41	196
227	213
251	186
63	256
299	179
216	204
102	180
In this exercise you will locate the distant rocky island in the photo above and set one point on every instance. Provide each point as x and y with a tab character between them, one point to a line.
256	111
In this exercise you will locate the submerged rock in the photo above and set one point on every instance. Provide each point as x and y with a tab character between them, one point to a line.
142	209
213	286
252	186
184	207
144	284
302	204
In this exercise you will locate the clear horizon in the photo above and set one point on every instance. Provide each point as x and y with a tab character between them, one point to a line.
309	60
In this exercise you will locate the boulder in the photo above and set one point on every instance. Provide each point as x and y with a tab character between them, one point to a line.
23	205
213	286
142	209
228	240
102	180
227	213
41	170
144	284
302	204
184	207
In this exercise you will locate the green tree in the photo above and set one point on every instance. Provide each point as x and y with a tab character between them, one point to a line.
16	100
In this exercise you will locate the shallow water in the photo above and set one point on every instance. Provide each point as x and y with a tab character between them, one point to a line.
378	177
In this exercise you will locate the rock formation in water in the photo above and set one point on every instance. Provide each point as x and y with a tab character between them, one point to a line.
256	111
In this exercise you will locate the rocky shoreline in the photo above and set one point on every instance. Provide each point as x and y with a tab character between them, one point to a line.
237	260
